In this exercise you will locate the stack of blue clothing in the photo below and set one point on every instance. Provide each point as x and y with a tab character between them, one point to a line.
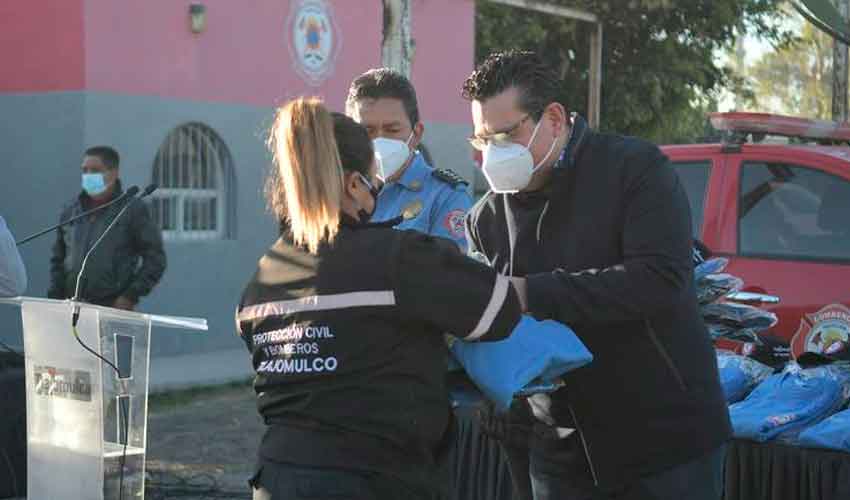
833	433
788	402
739	374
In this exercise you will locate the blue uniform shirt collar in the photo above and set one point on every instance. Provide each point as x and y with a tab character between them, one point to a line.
416	172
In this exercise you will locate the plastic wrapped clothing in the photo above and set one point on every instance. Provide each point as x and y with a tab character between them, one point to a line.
710	266
790	401
739	374
832	433
731	333
715	286
738	316
535	349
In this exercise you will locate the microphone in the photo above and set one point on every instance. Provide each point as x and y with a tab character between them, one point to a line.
76	315
148	190
126	194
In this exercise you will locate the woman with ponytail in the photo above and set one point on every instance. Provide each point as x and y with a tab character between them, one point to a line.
345	320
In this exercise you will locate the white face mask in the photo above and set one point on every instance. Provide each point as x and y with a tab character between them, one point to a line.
391	154
508	169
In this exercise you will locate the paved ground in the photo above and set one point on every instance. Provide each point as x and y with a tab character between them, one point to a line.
201	445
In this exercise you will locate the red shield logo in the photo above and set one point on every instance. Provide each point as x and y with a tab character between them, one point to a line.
826	331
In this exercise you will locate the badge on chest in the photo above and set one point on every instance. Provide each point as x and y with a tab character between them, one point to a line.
412	209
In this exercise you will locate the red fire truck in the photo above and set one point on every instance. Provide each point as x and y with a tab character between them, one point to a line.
774	197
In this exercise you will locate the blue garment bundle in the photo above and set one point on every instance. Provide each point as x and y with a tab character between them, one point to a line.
738	316
711	266
736	384
788	402
712	287
749	335
832	433
542	350
739	374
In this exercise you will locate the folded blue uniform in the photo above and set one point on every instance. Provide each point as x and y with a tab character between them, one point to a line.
535	350
739	374
832	433
788	402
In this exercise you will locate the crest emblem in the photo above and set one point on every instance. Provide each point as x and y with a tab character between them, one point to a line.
314	40
454	222
412	210
826	331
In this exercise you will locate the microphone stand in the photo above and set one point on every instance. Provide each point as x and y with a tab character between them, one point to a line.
130	192
75	317
148	190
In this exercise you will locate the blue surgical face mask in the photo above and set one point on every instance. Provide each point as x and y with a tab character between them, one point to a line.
94	184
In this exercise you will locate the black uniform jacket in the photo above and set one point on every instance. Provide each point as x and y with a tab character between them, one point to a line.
349	351
606	248
128	262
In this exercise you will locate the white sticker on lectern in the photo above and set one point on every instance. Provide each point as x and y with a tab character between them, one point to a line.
62	383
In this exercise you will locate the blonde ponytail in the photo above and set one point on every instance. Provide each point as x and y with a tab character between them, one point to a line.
306	184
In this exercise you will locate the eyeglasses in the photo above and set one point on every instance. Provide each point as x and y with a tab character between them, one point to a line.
502	138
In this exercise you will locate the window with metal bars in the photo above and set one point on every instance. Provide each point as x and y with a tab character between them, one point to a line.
194	171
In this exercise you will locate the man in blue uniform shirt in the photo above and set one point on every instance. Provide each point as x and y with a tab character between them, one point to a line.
431	201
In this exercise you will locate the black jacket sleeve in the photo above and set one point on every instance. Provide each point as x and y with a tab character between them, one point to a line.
57	263
435	283
656	272
147	241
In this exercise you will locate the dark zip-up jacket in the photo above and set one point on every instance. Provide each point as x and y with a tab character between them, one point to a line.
606	248
348	346
128	262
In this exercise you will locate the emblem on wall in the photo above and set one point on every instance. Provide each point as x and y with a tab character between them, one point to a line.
826	331
314	39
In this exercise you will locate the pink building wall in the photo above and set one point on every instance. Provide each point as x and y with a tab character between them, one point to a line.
243	57
444	31
41	45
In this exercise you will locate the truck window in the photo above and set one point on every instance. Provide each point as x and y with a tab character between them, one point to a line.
793	212
694	177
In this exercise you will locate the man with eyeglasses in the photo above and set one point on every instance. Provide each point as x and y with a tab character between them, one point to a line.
595	232
432	201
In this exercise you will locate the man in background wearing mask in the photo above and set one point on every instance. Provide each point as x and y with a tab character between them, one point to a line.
431	201
595	232
129	261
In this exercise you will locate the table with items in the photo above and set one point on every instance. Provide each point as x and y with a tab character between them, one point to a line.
790	417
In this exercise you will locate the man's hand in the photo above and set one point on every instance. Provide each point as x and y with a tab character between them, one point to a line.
123	302
522	292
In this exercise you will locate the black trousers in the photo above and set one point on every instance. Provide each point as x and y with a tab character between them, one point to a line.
280	481
557	470
478	469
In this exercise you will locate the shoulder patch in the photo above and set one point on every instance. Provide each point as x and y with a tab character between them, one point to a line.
454	223
449	176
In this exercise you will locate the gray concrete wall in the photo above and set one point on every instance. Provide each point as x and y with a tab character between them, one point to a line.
204	278
450	149
42	137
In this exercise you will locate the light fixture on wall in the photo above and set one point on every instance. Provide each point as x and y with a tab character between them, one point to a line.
197	17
